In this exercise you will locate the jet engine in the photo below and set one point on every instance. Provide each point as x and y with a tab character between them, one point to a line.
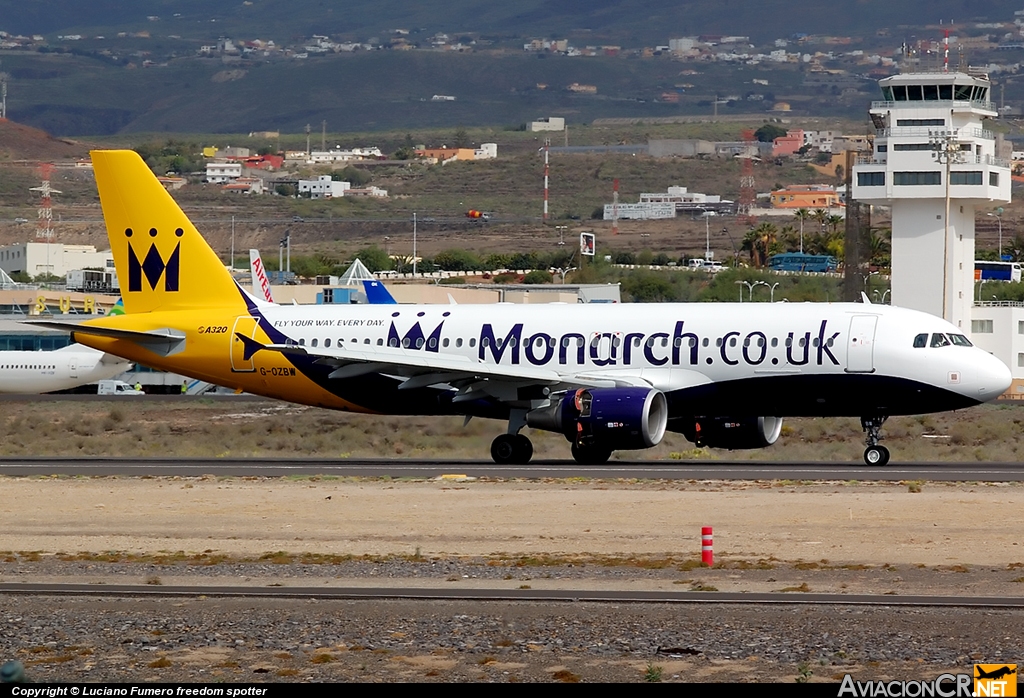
731	432
610	418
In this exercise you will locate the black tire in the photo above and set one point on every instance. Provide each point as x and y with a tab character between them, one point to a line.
591	455
876	455
524	450
505	448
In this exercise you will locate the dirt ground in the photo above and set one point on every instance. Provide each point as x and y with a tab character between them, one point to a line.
841	523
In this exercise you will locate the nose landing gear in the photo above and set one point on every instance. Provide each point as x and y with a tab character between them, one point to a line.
874	454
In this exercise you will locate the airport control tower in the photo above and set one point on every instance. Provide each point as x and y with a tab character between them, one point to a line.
933	163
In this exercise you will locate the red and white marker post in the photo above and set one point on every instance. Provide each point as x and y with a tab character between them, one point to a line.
707	550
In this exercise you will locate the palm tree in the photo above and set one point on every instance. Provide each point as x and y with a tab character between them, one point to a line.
879	247
802	214
759	242
834	222
820	215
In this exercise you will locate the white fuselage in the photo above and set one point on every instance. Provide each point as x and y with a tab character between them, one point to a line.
47	371
674	347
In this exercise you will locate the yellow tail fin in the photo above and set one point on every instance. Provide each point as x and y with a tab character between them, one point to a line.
162	261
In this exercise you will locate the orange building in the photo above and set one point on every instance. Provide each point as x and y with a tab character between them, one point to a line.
809	196
444	154
788	144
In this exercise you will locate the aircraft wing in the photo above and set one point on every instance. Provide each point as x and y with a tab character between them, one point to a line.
420	369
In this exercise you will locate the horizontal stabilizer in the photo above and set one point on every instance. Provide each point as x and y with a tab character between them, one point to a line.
164	342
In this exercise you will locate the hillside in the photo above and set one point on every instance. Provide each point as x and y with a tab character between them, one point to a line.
24	143
606	21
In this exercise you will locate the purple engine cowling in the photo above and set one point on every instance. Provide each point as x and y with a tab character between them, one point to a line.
731	432
615	418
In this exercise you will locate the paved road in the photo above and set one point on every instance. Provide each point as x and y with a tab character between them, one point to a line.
547	595
414	468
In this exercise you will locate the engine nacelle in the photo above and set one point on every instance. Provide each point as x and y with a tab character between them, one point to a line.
614	418
732	432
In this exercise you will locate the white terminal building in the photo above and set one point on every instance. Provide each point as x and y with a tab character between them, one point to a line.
38	258
932	151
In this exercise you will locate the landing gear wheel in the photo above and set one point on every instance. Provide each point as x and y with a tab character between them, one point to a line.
524	450
503	449
876	455
591	455
511	449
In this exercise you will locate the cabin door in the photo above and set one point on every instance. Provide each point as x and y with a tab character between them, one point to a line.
860	353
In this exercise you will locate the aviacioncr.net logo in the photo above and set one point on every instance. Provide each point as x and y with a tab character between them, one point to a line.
944	686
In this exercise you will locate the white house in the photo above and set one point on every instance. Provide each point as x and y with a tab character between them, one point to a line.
323	187
221	172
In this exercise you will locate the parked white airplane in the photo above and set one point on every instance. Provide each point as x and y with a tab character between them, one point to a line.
47	371
607	377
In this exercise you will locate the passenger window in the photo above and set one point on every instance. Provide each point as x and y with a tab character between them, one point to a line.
472	341
444	342
921	341
939	340
732	342
366	341
327	342
458	341
313	343
380	342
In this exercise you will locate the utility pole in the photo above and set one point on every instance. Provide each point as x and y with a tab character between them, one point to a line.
308	151
547	146
414	244
323	135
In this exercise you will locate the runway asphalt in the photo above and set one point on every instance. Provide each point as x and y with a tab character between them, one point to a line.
425	469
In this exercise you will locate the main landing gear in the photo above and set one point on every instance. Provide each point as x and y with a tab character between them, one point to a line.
590	455
513	448
874	454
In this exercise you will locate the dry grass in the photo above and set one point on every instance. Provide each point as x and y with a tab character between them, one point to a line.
256	428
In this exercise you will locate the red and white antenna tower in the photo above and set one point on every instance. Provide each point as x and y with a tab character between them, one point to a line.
547	146
615	207
945	52
747	193
44	229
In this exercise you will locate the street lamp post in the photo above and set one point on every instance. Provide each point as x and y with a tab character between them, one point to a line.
561	234
707	237
946	151
772	290
750	289
867	279
998	215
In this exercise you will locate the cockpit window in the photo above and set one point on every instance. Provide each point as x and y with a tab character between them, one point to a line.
921	341
960	341
939	340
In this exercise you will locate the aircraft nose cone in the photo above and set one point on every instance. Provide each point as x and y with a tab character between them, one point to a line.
991	377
